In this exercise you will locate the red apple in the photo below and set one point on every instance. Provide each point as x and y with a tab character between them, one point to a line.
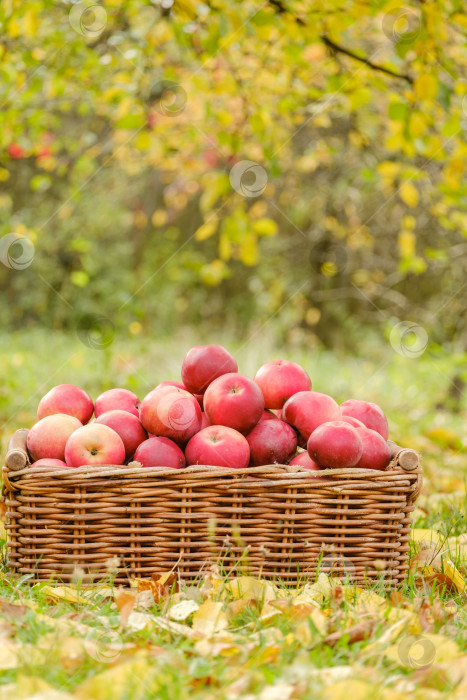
376	453
117	400
94	444
127	426
369	413
69	399
171	412
179	385
160	452
279	380
306	410
235	401
304	460
203	364
335	445
353	421
205	422
218	446
47	462
271	442
48	437
267	415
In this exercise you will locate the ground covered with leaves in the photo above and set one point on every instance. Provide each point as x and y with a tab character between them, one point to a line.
240	637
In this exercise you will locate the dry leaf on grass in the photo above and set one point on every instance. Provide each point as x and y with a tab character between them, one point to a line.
242	605
224	644
160	586
126	601
249	587
318	591
138	621
12	610
182	611
356	633
174	627
210	618
134	679
422	650
351	688
454	574
66	593
424	538
428	557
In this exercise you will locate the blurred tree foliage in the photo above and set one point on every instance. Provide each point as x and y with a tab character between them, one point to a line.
230	162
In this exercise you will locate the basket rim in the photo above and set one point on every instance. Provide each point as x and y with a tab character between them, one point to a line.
404	461
89	471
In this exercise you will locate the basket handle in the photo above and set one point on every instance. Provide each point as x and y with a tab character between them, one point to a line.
17	453
405	457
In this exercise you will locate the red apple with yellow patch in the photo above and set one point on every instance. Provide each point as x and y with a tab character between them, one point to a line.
49	436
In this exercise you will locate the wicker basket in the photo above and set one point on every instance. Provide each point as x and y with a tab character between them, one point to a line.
273	521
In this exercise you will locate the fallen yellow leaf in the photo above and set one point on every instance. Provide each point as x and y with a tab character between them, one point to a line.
351	688
210	618
65	593
424	538
249	587
135	679
458	580
181	611
420	651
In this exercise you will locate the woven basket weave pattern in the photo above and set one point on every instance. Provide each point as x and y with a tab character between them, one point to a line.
274	521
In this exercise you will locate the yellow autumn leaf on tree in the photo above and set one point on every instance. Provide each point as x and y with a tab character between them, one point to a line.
425	86
406	242
265	227
249	253
409	193
206	230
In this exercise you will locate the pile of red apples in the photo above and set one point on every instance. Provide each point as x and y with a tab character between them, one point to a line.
216	417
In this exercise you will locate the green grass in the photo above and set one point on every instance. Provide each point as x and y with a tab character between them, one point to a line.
263	654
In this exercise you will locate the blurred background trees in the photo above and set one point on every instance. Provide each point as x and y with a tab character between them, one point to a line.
231	163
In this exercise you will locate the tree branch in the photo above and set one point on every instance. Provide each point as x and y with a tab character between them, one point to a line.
336	48
281	8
